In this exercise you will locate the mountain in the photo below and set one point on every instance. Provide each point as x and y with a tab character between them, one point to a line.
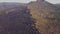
57	5
36	17
15	18
8	5
47	16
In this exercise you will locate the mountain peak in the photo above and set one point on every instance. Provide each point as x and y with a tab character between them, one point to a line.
40	0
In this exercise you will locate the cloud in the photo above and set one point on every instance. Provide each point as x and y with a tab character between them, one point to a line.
53	1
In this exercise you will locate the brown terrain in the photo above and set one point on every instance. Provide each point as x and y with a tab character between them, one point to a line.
38	17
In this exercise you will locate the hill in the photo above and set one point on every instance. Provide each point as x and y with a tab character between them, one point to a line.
16	19
57	5
46	15
38	17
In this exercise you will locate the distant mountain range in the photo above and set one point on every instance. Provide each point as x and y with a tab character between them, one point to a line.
57	5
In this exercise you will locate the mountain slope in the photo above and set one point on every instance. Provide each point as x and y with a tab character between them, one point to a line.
16	20
39	17
57	5
45	15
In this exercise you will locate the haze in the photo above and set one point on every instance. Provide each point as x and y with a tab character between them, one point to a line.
26	1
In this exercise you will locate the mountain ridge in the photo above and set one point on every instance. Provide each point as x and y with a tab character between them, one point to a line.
39	17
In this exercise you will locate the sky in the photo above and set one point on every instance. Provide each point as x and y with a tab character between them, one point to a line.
21	1
53	1
26	1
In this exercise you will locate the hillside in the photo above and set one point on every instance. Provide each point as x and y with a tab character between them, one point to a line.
16	19
8	5
47	16
37	17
